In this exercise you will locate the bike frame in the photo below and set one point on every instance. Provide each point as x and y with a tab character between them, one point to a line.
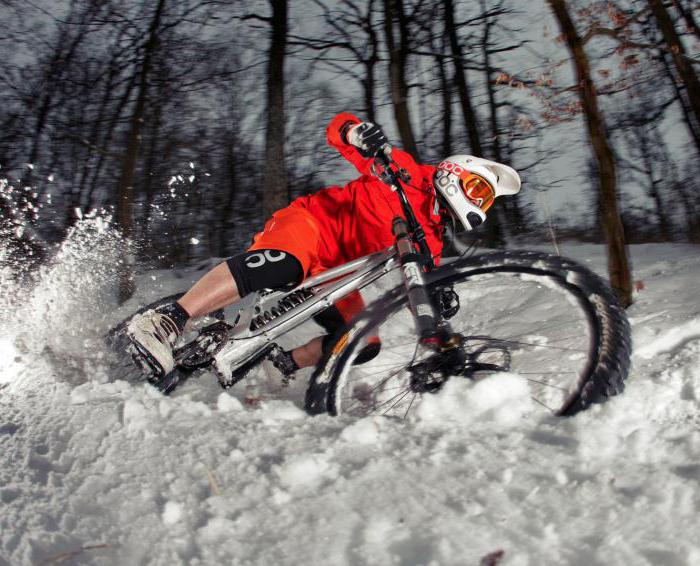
244	343
327	288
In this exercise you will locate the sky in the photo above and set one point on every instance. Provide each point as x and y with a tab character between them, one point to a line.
558	182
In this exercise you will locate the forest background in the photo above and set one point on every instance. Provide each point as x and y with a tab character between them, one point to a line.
188	122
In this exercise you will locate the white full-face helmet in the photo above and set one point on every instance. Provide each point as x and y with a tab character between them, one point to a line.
468	186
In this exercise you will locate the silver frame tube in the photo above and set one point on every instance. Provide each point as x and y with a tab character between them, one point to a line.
329	287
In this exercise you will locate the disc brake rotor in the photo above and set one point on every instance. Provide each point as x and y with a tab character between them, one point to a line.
465	357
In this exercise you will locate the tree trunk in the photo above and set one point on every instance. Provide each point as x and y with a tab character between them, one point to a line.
63	55
397	73
275	191
499	215
153	158
644	138
618	264
687	15
106	142
465	100
93	142
125	187
231	177
682	95
490	91
446	90
685	69
690	212
368	84
369	81
446	85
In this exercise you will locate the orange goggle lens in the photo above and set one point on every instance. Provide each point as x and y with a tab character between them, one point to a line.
477	190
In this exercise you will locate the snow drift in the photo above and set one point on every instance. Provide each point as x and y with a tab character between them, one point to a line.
100	471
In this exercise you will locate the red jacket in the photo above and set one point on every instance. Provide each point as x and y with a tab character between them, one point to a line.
355	220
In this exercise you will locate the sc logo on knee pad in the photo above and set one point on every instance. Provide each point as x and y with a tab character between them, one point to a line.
261	258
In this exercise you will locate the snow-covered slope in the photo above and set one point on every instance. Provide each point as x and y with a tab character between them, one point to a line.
94	471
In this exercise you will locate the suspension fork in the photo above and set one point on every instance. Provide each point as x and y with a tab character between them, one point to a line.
433	332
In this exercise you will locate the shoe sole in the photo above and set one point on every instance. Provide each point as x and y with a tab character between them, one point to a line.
148	365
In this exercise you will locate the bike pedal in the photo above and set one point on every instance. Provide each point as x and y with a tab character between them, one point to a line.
150	370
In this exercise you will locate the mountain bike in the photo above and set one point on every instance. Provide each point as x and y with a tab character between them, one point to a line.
546	318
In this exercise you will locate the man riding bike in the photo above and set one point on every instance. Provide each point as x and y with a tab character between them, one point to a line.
326	229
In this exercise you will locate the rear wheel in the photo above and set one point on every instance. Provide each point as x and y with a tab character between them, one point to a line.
549	320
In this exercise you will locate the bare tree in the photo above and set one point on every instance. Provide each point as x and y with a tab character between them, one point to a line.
125	186
446	86
352	32
650	160
680	59
618	263
275	190
398	55
471	122
686	12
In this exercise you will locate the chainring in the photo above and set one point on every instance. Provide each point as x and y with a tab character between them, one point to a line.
200	352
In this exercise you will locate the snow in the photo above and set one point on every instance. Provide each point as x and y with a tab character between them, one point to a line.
172	512
225	403
366	432
671	339
107	472
503	399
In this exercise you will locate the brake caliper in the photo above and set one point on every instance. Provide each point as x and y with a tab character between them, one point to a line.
447	301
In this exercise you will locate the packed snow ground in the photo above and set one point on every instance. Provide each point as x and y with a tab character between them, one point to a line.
97	471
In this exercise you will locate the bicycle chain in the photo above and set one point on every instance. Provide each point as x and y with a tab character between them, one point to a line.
284	305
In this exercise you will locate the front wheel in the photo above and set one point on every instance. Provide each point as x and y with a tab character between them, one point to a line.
547	319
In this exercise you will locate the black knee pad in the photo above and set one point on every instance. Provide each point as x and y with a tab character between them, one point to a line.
264	269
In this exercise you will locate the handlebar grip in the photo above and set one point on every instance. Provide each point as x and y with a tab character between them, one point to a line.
384	154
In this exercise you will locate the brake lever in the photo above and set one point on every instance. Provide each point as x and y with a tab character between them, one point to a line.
384	172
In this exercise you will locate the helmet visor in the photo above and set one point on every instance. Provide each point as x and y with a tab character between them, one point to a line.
477	190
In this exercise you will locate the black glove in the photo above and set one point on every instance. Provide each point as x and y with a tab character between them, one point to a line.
368	138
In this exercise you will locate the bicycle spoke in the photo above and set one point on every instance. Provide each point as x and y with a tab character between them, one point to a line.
376	387
371	366
536	400
518	325
547	384
387	378
410	405
546	372
535	345
397	401
400	393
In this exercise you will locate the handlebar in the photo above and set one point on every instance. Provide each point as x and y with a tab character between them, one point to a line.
393	177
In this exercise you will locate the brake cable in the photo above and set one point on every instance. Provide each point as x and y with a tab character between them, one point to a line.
393	179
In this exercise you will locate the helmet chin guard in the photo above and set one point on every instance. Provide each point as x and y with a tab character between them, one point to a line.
452	180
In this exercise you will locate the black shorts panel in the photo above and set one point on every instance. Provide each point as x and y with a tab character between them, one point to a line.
264	269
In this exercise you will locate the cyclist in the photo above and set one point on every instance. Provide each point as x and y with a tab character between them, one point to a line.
326	229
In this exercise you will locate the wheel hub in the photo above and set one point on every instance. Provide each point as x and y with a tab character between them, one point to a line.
458	355
431	373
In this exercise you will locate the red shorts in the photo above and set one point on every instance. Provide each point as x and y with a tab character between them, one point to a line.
295	230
